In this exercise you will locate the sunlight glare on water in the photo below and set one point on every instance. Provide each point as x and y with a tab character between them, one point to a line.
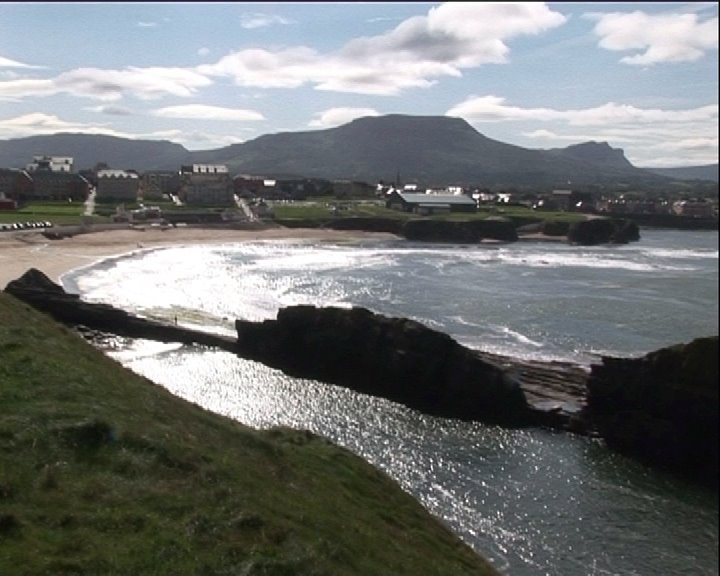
532	501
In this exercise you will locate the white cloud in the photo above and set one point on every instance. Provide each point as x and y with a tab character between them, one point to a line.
450	38
258	20
656	38
493	109
110	85
337	116
203	51
206	141
8	63
23	87
39	123
147	24
203	112
288	68
111	110
647	134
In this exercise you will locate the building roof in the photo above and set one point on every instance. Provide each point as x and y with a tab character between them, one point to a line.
435	199
116	174
209	169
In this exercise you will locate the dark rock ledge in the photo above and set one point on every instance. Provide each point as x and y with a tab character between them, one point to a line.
598	230
661	409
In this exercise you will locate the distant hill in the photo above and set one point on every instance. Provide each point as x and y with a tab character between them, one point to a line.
708	172
89	149
429	150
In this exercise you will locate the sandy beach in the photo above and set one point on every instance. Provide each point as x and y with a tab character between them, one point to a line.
20	251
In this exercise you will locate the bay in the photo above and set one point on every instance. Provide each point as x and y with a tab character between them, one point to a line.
532	501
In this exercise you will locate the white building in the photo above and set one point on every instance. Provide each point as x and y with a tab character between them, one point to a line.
50	164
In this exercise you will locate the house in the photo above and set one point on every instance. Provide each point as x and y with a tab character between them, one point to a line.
560	200
206	184
694	208
59	185
15	184
430	203
7	204
50	164
157	185
117	186
247	186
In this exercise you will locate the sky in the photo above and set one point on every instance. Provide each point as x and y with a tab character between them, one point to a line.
642	77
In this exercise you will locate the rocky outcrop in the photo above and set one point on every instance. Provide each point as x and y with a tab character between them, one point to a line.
37	290
420	229
389	225
382	348
555	228
469	231
366	224
394	358
603	231
661	408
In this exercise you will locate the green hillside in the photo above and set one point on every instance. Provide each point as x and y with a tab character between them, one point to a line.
103	472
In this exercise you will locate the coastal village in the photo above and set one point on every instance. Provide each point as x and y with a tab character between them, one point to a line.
129	195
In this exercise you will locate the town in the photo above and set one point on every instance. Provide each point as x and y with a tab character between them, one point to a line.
204	193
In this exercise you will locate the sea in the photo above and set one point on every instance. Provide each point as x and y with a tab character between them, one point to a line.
533	501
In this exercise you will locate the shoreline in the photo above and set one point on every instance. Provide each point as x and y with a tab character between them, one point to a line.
21	251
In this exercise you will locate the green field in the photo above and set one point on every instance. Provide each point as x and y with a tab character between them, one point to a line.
324	209
103	472
56	212
321	209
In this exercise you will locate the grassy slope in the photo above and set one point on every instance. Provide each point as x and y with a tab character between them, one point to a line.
104	472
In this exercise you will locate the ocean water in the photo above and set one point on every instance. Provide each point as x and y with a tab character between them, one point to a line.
531	501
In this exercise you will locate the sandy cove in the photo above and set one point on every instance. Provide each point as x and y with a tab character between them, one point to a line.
20	251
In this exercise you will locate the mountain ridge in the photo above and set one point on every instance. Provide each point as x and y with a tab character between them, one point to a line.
430	150
707	172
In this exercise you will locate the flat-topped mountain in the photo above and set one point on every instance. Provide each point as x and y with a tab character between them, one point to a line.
429	150
433	150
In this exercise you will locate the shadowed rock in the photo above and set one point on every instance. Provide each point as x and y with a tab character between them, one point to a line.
603	231
661	408
394	358
470	231
36	289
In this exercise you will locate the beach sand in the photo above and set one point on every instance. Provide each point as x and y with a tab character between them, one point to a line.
20	251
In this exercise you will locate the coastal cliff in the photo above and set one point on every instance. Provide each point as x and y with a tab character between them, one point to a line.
661	408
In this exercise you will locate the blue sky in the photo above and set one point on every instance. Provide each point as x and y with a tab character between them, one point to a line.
642	77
